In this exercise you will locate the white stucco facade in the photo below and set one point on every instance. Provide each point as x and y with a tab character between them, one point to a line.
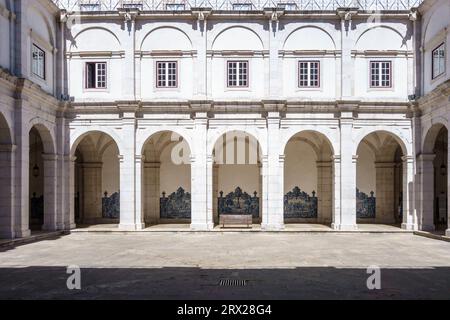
328	140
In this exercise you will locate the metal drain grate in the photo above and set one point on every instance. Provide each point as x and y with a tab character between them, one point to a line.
232	283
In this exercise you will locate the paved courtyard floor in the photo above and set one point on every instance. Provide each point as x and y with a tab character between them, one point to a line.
191	266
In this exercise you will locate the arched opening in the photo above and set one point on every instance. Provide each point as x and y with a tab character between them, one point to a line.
440	217
36	186
379	179
97	188
6	192
435	169
237	180
166	179
308	179
41	179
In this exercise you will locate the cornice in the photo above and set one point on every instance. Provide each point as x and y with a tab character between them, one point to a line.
439	93
242	107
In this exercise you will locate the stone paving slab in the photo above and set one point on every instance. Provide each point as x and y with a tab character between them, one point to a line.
190	266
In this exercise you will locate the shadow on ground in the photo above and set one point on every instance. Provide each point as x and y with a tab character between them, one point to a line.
197	283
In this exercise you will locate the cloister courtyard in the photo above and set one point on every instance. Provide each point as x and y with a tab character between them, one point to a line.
189	265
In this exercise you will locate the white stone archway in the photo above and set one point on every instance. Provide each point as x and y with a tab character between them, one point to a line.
236	183
6	180
166	178
384	179
95	182
308	178
42	193
433	166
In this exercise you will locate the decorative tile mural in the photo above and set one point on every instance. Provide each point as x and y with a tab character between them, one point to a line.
299	204
238	202
37	207
111	206
175	206
365	205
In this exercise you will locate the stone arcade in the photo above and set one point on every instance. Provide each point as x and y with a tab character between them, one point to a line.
135	113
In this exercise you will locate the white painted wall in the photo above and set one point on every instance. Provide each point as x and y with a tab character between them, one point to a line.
173	176
300	168
110	170
365	170
4	37
435	30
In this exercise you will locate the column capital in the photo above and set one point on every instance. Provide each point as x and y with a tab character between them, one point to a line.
323	164
7	147
152	165
424	157
49	157
336	158
355	158
282	158
92	164
408	159
387	164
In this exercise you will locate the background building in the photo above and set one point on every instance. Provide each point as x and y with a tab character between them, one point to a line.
138	113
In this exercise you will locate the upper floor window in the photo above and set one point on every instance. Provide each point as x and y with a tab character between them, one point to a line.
380	74
438	63
166	74
309	74
237	73
38	62
96	75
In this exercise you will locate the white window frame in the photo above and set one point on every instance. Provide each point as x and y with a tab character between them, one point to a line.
97	75
309	79
38	67
380	78
433	75
166	74
238	74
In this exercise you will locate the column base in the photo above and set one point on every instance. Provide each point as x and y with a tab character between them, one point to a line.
131	226
344	227
49	227
409	226
425	227
22	233
202	226
447	233
272	226
70	226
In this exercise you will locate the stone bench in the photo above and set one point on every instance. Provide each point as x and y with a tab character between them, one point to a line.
236	219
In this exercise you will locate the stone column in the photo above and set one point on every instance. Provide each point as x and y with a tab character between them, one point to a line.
139	206
69	221
152	192
7	192
130	194
336	196
273	177
201	218
50	192
425	174
324	191
21	178
447	232
385	196
348	175
409	221
92	191
215	191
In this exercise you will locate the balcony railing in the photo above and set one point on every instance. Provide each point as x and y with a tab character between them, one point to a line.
233	5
